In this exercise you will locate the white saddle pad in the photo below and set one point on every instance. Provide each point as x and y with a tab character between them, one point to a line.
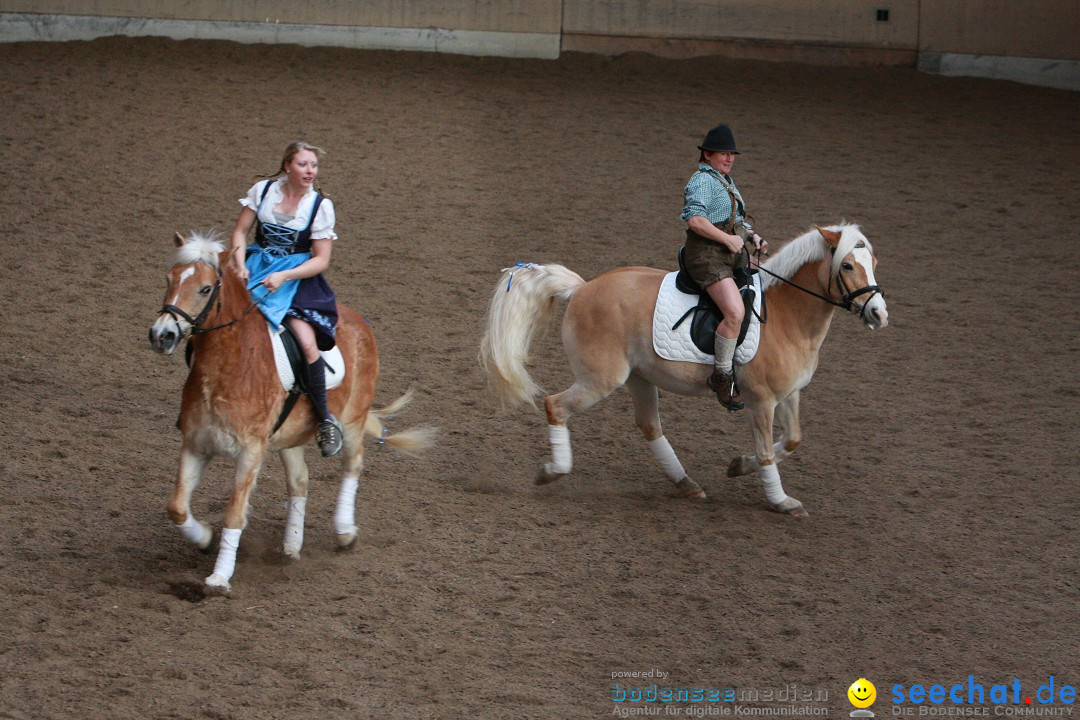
335	373
672	304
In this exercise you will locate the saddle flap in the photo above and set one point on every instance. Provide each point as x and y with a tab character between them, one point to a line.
707	315
676	339
290	360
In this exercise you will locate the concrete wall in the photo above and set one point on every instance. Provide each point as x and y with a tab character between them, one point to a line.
1027	40
831	30
514	28
526	16
1030	42
1046	28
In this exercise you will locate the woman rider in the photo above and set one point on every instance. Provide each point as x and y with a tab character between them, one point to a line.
717	229
293	240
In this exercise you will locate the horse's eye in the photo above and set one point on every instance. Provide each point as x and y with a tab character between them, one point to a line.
205	290
848	266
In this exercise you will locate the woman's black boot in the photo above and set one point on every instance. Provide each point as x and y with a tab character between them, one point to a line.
329	435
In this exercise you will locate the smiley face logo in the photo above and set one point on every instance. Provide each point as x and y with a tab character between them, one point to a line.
862	693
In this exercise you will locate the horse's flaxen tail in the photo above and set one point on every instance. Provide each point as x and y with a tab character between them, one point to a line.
521	305
410	442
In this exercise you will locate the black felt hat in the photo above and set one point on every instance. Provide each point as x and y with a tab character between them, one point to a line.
719	139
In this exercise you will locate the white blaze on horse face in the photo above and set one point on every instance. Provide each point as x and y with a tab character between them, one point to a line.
179	282
168	326
874	312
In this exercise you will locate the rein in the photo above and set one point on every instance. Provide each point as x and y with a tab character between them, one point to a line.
195	322
847	297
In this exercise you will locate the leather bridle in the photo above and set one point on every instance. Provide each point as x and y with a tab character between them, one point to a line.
847	297
196	322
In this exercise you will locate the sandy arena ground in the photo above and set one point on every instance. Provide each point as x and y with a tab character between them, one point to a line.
940	455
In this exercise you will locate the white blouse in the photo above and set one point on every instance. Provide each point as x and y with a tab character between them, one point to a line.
321	228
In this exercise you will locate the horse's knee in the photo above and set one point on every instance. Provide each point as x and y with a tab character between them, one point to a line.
177	513
791	443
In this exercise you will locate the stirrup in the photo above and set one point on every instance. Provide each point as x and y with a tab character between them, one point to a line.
329	437
723	384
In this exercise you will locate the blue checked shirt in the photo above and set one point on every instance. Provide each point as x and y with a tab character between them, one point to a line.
705	195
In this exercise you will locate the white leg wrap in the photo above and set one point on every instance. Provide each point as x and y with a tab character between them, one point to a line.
294	525
192	530
661	449
774	491
226	559
345	513
562	459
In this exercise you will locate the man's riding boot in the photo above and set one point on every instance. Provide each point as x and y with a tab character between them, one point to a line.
723	384
722	381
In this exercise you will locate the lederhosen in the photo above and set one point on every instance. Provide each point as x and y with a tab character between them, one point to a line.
708	261
314	301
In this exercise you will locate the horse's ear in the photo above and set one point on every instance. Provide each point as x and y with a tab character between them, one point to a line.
178	239
225	257
831	236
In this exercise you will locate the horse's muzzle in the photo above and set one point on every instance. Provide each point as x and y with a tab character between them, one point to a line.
876	317
165	335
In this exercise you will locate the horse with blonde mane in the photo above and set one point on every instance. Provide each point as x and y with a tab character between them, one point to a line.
607	335
233	399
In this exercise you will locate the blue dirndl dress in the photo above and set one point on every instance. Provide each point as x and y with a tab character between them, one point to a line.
312	300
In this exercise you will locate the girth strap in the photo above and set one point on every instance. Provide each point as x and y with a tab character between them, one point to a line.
299	365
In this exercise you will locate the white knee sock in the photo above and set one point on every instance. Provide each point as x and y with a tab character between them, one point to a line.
725	351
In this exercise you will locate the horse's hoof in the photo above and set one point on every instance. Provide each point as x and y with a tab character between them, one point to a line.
346	540
687	488
738	468
217	585
791	507
292	553
546	475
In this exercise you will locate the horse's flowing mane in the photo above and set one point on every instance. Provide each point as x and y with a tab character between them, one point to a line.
200	246
811	247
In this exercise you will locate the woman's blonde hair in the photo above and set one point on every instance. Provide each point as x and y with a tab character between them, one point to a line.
290	153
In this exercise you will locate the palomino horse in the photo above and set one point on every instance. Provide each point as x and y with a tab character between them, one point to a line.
233	397
607	333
